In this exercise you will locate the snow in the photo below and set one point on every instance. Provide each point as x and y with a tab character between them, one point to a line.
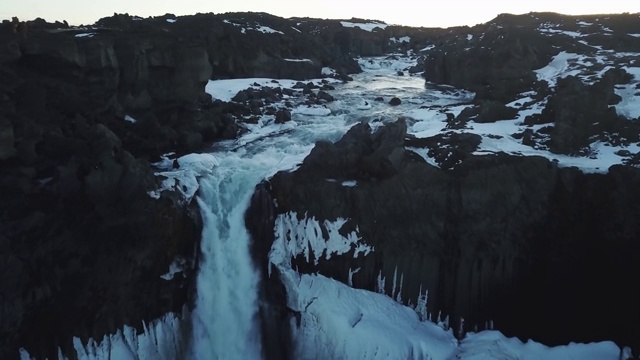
327	71
305	237
350	183
171	20
177	266
573	34
469	37
185	178
161	339
364	26
630	104
130	119
489	345
85	35
584	23
257	27
226	89
298	30
404	39
267	30
557	68
299	60
634	35
337	321
430	47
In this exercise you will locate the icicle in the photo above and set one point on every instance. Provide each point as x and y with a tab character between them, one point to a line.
393	287
399	295
421	305
351	273
380	283
461	329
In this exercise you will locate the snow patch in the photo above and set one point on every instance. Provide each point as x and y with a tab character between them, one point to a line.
364	26
85	35
172	20
487	345
178	265
404	39
184	179
299	60
130	119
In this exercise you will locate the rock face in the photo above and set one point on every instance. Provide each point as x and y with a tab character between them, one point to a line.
515	240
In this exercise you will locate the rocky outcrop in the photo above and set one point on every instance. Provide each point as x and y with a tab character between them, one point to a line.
513	240
493	60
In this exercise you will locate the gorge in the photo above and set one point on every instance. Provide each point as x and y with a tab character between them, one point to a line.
505	185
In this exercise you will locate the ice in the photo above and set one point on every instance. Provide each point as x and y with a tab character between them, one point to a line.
185	178
305	237
364	26
339	322
490	345
161	339
584	23
130	119
177	266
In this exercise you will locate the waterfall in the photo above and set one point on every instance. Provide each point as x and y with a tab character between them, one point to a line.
224	319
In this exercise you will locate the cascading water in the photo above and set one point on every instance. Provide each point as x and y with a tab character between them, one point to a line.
223	320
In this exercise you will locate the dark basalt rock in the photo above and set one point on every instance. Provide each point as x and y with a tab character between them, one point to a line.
515	240
447	149
395	101
282	116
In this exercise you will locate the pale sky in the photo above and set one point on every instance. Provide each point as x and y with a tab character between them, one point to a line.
441	13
